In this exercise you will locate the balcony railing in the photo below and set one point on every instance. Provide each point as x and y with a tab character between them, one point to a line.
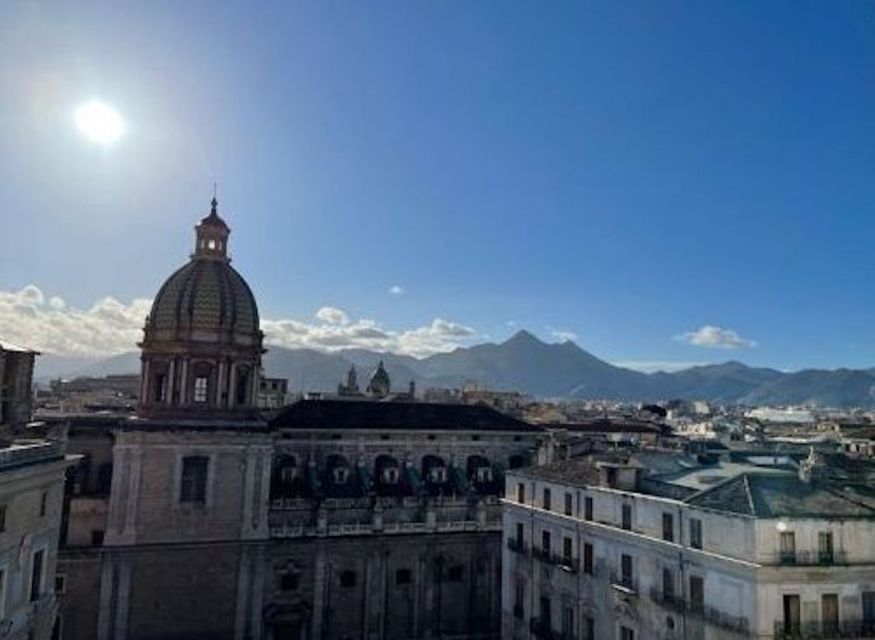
810	558
625	583
710	615
517	546
823	631
565	563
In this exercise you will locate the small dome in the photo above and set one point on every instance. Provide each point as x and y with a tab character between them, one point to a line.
204	296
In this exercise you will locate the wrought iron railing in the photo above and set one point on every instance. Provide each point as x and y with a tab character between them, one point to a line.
810	558
700	610
826	630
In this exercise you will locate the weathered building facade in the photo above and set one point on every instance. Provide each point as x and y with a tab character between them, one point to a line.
663	546
335	519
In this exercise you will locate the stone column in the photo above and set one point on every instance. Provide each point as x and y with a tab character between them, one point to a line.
232	386
144	383
183	383
220	383
320	578
171	382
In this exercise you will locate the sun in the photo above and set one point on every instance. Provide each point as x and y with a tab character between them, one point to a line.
99	122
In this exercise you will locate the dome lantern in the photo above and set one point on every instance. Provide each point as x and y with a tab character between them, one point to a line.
202	343
211	235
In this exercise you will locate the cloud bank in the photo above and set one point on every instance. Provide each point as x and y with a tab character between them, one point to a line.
29	318
714	337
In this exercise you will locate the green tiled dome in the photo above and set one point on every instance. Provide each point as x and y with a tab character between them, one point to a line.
205	295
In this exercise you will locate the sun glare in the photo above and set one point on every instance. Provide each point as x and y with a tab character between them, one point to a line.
99	122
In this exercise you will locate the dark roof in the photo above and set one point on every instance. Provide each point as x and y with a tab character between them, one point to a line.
610	426
784	495
370	414
577	472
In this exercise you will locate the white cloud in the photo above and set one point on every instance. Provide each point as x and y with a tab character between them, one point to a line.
111	326
563	336
715	338
395	290
332	315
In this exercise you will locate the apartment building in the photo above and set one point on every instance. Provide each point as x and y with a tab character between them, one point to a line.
663	546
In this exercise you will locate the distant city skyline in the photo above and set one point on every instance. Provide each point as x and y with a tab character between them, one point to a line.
665	185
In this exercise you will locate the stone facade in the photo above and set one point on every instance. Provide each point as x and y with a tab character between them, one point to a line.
354	518
16	386
596	549
31	499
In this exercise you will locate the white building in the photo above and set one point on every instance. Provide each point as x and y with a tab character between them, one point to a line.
658	546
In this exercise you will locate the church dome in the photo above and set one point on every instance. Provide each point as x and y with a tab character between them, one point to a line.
202	345
205	298
205	295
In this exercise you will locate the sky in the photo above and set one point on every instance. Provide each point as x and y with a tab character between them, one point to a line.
665	183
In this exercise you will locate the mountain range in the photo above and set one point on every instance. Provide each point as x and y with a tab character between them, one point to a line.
525	363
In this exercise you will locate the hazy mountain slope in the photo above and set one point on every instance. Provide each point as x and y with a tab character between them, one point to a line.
839	388
525	363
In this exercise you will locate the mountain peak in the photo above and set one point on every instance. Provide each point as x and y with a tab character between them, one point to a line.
523	336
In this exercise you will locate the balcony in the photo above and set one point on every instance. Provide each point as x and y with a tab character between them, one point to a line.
565	563
517	546
818	631
624	583
810	558
710	615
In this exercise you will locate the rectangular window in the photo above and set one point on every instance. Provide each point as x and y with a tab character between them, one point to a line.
668	527
868	611
520	537
695	533
97	537
2	593
36	575
587	558
546	613
588	628
791	615
829	614
627	517
567	622
697	593
519	598
667	584
788	547
2	518
43	501
626	571
566	548
60	583
824	547
201	385
546	502
193	488
545	542
587	508
521	493
569	504
626	633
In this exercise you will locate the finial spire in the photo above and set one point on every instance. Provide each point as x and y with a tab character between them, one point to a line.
215	202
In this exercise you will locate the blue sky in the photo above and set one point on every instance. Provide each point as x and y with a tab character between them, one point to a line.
627	172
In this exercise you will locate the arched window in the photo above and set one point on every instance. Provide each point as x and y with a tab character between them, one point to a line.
159	388
241	393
